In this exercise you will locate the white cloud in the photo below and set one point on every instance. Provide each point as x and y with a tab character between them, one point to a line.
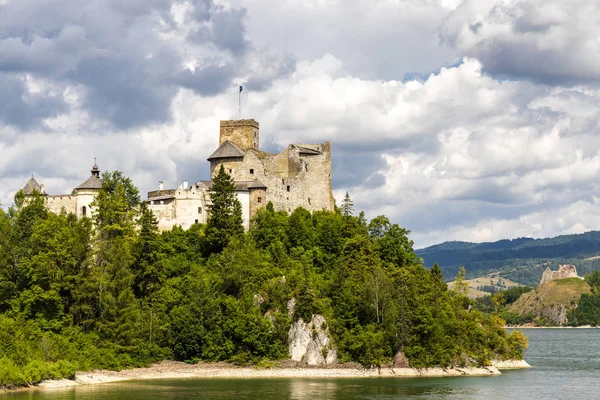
551	41
457	154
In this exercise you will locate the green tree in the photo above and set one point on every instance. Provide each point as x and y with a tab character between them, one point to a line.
347	206
461	286
147	266
225	213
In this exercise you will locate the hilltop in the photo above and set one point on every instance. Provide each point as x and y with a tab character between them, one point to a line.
521	260
552	301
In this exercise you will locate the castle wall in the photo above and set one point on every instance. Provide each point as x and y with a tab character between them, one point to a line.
57	203
244	198
564	271
294	177
244	133
84	198
258	199
234	167
189	206
183	207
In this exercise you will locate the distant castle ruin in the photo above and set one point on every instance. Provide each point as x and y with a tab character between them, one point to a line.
300	175
564	271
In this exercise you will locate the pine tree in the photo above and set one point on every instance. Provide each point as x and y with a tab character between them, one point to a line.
347	206
147	254
225	213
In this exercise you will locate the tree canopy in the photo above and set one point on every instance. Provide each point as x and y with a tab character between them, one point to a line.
114	292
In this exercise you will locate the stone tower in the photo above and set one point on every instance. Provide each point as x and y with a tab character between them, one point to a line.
243	133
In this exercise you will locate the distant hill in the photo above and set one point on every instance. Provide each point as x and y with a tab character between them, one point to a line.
521	260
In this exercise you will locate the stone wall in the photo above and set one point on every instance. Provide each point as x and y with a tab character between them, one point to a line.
564	271
57	203
244	133
183	207
258	199
298	176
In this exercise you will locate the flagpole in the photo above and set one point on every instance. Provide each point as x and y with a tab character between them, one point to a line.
240	102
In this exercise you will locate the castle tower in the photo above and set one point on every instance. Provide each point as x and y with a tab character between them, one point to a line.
87	192
258	196
242	132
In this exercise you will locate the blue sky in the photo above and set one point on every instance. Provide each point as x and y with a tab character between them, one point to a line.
459	119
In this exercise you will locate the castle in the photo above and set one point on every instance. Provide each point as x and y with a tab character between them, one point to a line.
564	271
300	175
78	202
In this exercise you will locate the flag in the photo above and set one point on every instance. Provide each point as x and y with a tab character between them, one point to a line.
241	88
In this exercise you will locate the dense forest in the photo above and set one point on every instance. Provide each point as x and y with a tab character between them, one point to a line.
114	292
522	260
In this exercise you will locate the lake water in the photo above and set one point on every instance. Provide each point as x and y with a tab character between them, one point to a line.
565	365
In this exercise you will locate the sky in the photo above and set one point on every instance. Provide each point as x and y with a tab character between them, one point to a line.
473	120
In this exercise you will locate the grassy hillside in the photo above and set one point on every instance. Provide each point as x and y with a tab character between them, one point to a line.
552	301
522	260
485	285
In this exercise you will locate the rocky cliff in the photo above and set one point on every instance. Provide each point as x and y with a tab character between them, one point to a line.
310	342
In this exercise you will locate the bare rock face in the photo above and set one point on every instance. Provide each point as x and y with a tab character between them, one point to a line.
564	271
310	342
556	314
400	360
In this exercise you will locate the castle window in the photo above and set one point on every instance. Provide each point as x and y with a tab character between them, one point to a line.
230	171
282	181
288	188
309	201
83	211
196	221
251	171
199	210
306	167
260	200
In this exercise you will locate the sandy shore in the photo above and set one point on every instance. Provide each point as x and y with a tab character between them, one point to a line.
174	370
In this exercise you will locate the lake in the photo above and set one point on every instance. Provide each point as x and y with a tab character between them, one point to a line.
565	365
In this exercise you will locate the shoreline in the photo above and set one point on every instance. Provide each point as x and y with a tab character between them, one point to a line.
552	327
180	370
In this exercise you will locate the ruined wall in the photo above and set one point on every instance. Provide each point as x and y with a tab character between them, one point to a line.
564	271
298	176
244	133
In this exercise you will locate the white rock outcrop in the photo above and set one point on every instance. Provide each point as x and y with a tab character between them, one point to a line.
310	342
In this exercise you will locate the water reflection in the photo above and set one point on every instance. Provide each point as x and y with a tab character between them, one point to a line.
303	389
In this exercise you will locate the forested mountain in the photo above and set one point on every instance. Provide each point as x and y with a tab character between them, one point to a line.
114	292
521	260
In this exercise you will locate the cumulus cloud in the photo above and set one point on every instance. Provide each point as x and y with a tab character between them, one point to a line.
471	151
383	39
127	59
549	41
